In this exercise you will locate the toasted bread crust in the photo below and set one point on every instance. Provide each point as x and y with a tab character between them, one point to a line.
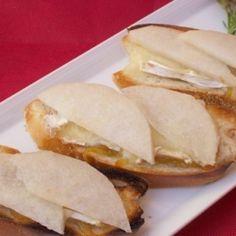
157	175
5	149
223	100
177	27
130	189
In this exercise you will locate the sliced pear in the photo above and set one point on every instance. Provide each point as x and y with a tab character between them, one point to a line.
220	45
167	43
106	113
73	184
181	119
14	195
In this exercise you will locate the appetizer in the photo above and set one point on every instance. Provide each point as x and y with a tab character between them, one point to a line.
198	62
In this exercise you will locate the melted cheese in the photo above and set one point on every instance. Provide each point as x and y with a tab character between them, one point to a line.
55	120
78	135
79	216
163	148
72	133
172	153
157	65
188	76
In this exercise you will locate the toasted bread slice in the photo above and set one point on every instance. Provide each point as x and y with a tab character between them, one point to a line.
220	102
5	149
132	75
167	172
129	187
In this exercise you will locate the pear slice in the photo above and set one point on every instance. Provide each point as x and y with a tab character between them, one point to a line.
14	195
181	119
104	112
72	184
217	44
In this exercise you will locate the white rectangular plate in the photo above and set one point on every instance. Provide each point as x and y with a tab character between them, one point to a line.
166	210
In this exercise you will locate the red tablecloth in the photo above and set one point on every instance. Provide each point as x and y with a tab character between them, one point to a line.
37	36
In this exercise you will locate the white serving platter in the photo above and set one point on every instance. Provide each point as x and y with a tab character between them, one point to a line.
166	210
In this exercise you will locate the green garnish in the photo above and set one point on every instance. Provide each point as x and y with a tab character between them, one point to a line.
230	8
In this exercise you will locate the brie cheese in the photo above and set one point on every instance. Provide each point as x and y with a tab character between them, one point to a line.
188	76
79	216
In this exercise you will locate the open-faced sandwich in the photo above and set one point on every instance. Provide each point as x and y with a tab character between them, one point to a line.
44	191
199	62
167	137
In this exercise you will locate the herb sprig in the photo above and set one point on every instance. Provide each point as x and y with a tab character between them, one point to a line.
230	8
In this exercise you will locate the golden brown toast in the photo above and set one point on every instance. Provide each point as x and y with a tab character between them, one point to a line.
130	189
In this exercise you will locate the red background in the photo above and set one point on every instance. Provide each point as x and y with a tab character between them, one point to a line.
37	36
